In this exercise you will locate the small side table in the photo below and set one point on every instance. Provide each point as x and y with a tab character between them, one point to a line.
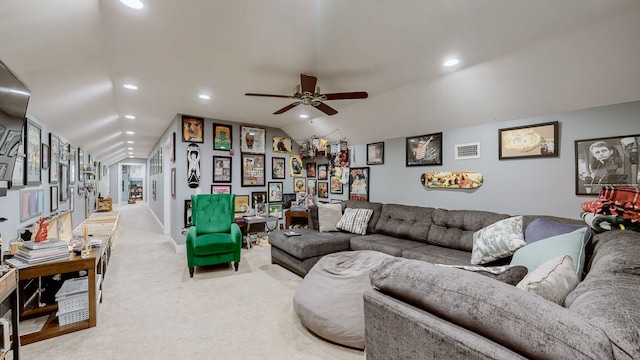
251	220
296	217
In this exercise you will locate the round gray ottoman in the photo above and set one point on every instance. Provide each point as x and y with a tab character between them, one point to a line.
329	300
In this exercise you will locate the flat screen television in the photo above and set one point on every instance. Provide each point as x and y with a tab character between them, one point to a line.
14	99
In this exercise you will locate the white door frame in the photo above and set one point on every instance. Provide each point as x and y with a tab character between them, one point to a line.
144	179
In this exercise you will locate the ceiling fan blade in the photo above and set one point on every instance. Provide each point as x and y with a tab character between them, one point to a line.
308	82
271	95
287	108
347	95
326	109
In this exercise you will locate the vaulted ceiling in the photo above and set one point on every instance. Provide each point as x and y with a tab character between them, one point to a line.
518	58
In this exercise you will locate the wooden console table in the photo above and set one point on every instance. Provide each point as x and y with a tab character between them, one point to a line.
296	217
9	288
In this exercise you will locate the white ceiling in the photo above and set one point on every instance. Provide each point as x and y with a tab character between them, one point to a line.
519	58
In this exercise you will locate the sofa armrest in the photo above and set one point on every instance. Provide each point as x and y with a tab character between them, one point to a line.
520	321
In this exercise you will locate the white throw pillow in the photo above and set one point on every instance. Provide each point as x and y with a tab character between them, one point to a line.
553	280
355	220
328	216
497	241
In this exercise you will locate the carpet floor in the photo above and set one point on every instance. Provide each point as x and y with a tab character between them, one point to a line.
152	309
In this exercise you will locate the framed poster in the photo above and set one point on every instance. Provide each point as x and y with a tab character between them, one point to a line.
71	198
187	213
17	178
64	182
278	168
323	172
375	153
295	165
72	165
252	140
33	141
172	147
173	183
610	161
311	169
53	190
424	150
54	159
275	210
281	145
252	170
222	137
80	165
241	203
275	191
192	129
312	187
258	197
44	155
335	181
299	185
323	189
531	141
359	184
288	199
222	169
221	189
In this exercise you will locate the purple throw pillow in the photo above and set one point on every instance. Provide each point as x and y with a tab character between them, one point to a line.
541	228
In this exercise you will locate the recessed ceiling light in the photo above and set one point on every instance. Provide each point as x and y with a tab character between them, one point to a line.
304	116
130	116
451	62
130	152
129	142
130	132
204	96
134	4
130	87
131	156
129	148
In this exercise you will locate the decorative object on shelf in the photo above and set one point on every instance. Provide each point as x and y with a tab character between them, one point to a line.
603	162
359	184
281	144
275	191
54	158
193	159
452	179
253	170
375	153
278	168
424	150
221	189
540	140
33	151
252	140
192	129
295	165
222	169
222	137
41	234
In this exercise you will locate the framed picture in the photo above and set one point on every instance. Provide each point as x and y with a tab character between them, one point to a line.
222	169
53	190
530	141
172	147
192	129
221	189
299	185
258	197
64	182
80	165
375	153
252	140
312	186
288	199
222	137
173	183
275	191
323	172
44	155
275	210
25	200
323	189
311	169
281	145
606	162
359	184
64	152
424	150
33	141
153	190
31	203
71	199
17	179
310	201
336	180
278	168
241	203
187	213
295	165
54	159
252	170
72	165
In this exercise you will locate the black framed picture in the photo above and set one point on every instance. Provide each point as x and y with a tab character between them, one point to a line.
192	129
359	184
252	170
610	161
530	141
275	191
45	156
311	169
278	168
424	150
375	153
323	189
53	197
33	166
323	172
222	137
252	140
288	199
222	169
54	159
258	197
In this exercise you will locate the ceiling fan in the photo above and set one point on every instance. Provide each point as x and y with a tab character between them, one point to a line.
307	94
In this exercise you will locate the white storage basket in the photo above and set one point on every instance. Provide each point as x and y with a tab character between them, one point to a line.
73	316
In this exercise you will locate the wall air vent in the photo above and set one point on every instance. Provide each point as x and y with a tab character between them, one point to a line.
467	151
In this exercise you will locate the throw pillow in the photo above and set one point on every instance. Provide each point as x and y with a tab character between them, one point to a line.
510	274
541	228
328	216
355	220
497	241
533	255
553	280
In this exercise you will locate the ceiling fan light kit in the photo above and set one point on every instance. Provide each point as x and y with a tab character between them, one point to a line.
308	94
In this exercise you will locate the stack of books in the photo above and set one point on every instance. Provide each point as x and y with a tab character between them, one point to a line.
32	252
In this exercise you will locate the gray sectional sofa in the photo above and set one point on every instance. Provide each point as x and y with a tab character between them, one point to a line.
418	310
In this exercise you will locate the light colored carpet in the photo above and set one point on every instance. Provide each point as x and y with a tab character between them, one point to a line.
151	309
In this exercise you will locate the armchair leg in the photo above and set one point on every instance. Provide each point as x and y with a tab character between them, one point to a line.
235	265
191	272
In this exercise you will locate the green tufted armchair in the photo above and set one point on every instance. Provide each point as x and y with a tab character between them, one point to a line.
214	237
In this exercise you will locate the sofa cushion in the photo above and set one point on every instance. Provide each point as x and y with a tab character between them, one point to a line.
382	243
355	220
310	243
533	255
438	255
509	274
405	222
541	228
497	241
328	216
553	280
454	228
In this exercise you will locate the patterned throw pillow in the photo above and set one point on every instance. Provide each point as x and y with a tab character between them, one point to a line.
497	241
355	220
553	280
